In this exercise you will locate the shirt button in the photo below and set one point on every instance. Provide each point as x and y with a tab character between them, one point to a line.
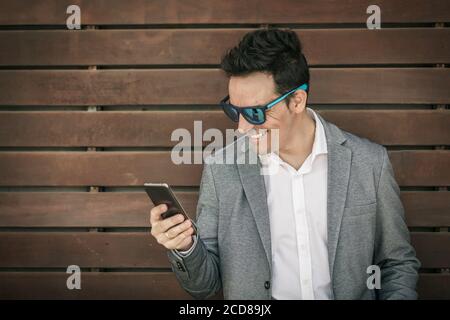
267	284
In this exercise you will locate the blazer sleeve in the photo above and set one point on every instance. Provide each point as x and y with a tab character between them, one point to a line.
198	272
393	252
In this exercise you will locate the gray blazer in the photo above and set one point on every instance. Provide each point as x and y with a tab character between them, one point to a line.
366	226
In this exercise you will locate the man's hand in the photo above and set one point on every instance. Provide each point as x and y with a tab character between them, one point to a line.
172	232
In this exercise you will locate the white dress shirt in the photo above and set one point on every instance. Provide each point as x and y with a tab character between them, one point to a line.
297	203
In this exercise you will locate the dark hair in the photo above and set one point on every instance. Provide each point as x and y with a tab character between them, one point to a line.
276	51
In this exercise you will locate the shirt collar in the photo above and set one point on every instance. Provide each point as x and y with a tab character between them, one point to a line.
320	141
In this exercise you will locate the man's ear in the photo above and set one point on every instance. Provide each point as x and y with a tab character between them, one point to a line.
297	102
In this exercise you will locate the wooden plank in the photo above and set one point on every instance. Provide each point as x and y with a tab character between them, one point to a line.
154	128
434	286
142	286
395	127
101	12
94	285
105	129
412	168
131	209
82	209
181	46
208	86
134	250
426	209
432	249
379	85
85	249
95	169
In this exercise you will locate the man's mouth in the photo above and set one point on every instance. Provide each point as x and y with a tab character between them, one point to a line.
259	135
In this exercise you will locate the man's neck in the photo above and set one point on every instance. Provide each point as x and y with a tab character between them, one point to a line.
301	141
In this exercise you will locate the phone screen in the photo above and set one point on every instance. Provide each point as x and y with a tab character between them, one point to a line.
161	194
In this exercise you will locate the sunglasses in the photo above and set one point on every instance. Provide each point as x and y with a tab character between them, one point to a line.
257	114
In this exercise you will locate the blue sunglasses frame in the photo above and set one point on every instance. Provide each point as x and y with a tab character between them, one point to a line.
255	114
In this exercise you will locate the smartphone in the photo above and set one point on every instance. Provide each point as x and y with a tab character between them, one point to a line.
161	193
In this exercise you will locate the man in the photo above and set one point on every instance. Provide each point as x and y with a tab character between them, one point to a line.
319	226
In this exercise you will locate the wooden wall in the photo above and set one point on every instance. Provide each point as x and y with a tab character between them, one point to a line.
86	117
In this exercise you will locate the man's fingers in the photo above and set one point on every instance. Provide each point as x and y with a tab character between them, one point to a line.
187	240
166	224
174	231
161	238
170	232
173	243
155	214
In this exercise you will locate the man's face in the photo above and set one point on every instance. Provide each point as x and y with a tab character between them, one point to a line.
258	88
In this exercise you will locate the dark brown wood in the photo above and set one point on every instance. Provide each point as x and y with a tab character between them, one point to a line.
208	86
142	285
134	250
380	85
395	127
94	285
434	286
183	46
412	168
427	209
85	249
131	209
432	249
82	209
106	129
154	128
95	169
99	12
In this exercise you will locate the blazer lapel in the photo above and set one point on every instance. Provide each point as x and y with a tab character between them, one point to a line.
339	161
255	190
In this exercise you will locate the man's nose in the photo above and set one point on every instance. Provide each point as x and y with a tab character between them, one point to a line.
243	125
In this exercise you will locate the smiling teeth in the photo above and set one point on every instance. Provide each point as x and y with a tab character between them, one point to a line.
257	136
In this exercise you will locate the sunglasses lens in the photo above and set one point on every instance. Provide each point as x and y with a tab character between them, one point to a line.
254	116
230	112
